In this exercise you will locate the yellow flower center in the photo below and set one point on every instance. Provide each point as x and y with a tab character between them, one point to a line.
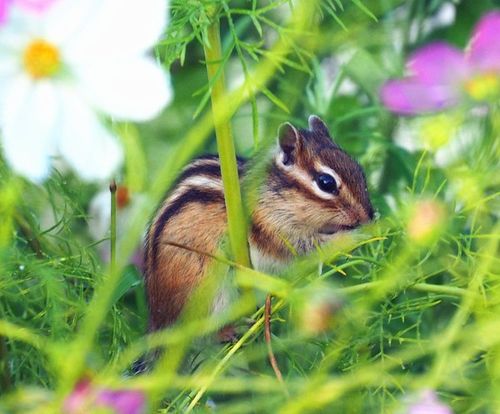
483	87
41	59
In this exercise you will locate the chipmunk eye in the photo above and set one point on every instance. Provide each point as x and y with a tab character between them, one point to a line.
327	183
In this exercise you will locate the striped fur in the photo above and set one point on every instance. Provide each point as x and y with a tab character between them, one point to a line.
291	216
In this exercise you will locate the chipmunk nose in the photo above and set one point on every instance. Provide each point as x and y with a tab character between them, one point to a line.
365	216
370	213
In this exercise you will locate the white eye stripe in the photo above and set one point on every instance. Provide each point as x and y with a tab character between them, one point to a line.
320	193
327	170
305	178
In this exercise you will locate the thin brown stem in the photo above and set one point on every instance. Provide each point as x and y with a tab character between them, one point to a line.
112	190
29	235
267	336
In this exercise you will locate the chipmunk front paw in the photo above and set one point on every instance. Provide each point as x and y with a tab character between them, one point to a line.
227	335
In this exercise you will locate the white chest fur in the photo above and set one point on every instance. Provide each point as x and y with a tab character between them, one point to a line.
264	262
260	261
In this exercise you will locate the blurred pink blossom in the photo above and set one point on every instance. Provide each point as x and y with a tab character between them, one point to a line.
35	5
4	6
32	5
86	396
428	403
441	76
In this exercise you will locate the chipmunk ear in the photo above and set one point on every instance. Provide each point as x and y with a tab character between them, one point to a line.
289	141
316	124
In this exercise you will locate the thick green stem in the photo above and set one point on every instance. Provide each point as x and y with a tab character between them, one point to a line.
236	220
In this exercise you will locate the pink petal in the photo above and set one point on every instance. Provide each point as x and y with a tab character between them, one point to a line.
79	398
438	64
38	6
429	404
484	48
85	397
410	97
4	10
123	402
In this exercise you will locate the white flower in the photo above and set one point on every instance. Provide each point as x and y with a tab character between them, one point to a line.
62	69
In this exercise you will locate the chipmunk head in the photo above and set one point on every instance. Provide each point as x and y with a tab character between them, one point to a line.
318	189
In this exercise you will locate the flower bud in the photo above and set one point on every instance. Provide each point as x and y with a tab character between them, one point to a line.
426	402
316	309
426	221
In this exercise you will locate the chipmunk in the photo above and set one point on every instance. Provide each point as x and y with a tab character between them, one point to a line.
311	191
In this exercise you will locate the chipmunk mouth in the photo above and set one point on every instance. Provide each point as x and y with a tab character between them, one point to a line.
335	228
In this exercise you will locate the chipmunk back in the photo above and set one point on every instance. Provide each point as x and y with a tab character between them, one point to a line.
311	191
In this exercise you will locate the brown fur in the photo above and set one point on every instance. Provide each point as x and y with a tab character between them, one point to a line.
181	270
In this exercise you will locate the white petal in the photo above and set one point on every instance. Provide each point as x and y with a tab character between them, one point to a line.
65	19
9	71
9	65
21	25
84	142
99	217
118	28
28	124
136	89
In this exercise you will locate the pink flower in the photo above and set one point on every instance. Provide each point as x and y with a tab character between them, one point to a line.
32	5
86	396
428	403
441	76
4	9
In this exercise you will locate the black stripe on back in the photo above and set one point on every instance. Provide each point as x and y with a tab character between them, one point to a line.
194	195
209	169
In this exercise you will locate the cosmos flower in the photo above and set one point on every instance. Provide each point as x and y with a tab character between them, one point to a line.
427	403
62	69
441	76
85	397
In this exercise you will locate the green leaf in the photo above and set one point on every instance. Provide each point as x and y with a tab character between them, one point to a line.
364	9
135	159
275	100
364	69
129	280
